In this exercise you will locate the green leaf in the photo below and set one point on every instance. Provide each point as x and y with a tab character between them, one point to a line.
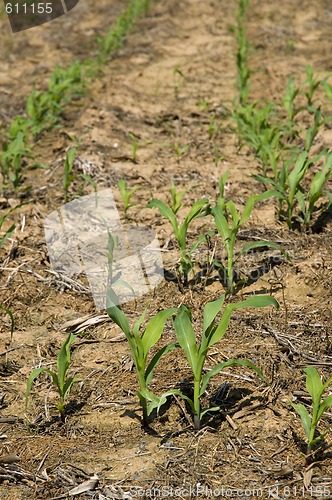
33	375
155	360
314	384
254	199
154	328
259	244
63	361
67	387
326	403
255	301
186	337
7	235
196	210
221	223
298	172
305	417
220	366
165	211
211	310
115	312
158	401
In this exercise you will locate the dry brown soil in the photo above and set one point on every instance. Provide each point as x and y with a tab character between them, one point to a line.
180	54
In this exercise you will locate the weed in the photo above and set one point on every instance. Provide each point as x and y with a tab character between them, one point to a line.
141	344
196	354
60	380
316	388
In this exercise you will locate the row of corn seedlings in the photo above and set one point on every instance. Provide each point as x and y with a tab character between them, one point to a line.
298	178
283	147
44	109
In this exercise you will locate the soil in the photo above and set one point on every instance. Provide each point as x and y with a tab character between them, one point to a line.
173	78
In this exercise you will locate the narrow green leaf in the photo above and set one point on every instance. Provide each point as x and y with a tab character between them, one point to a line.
325	404
255	301
211	309
63	361
154	328
305	417
115	312
220	366
155	360
33	375
165	211
314	384
259	244
221	223
186	337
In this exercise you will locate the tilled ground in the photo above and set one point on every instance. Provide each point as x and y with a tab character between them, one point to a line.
170	86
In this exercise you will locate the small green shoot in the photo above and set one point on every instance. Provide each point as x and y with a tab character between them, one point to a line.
196	354
228	220
141	344
60	380
11	159
126	196
315	388
68	176
199	209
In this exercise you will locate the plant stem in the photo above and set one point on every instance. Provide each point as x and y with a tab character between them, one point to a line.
197	405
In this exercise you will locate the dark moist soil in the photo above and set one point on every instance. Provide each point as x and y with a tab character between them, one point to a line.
179	55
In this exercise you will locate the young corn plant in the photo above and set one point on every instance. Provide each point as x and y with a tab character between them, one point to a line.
68	176
290	193
229	220
316	389
199	209
196	355
60	380
126	196
140	344
11	159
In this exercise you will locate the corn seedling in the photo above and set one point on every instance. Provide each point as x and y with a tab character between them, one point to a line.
311	83
290	193
141	344
180	151
60	380
126	196
11	159
68	176
199	209
288	99
228	220
196	354
315	388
